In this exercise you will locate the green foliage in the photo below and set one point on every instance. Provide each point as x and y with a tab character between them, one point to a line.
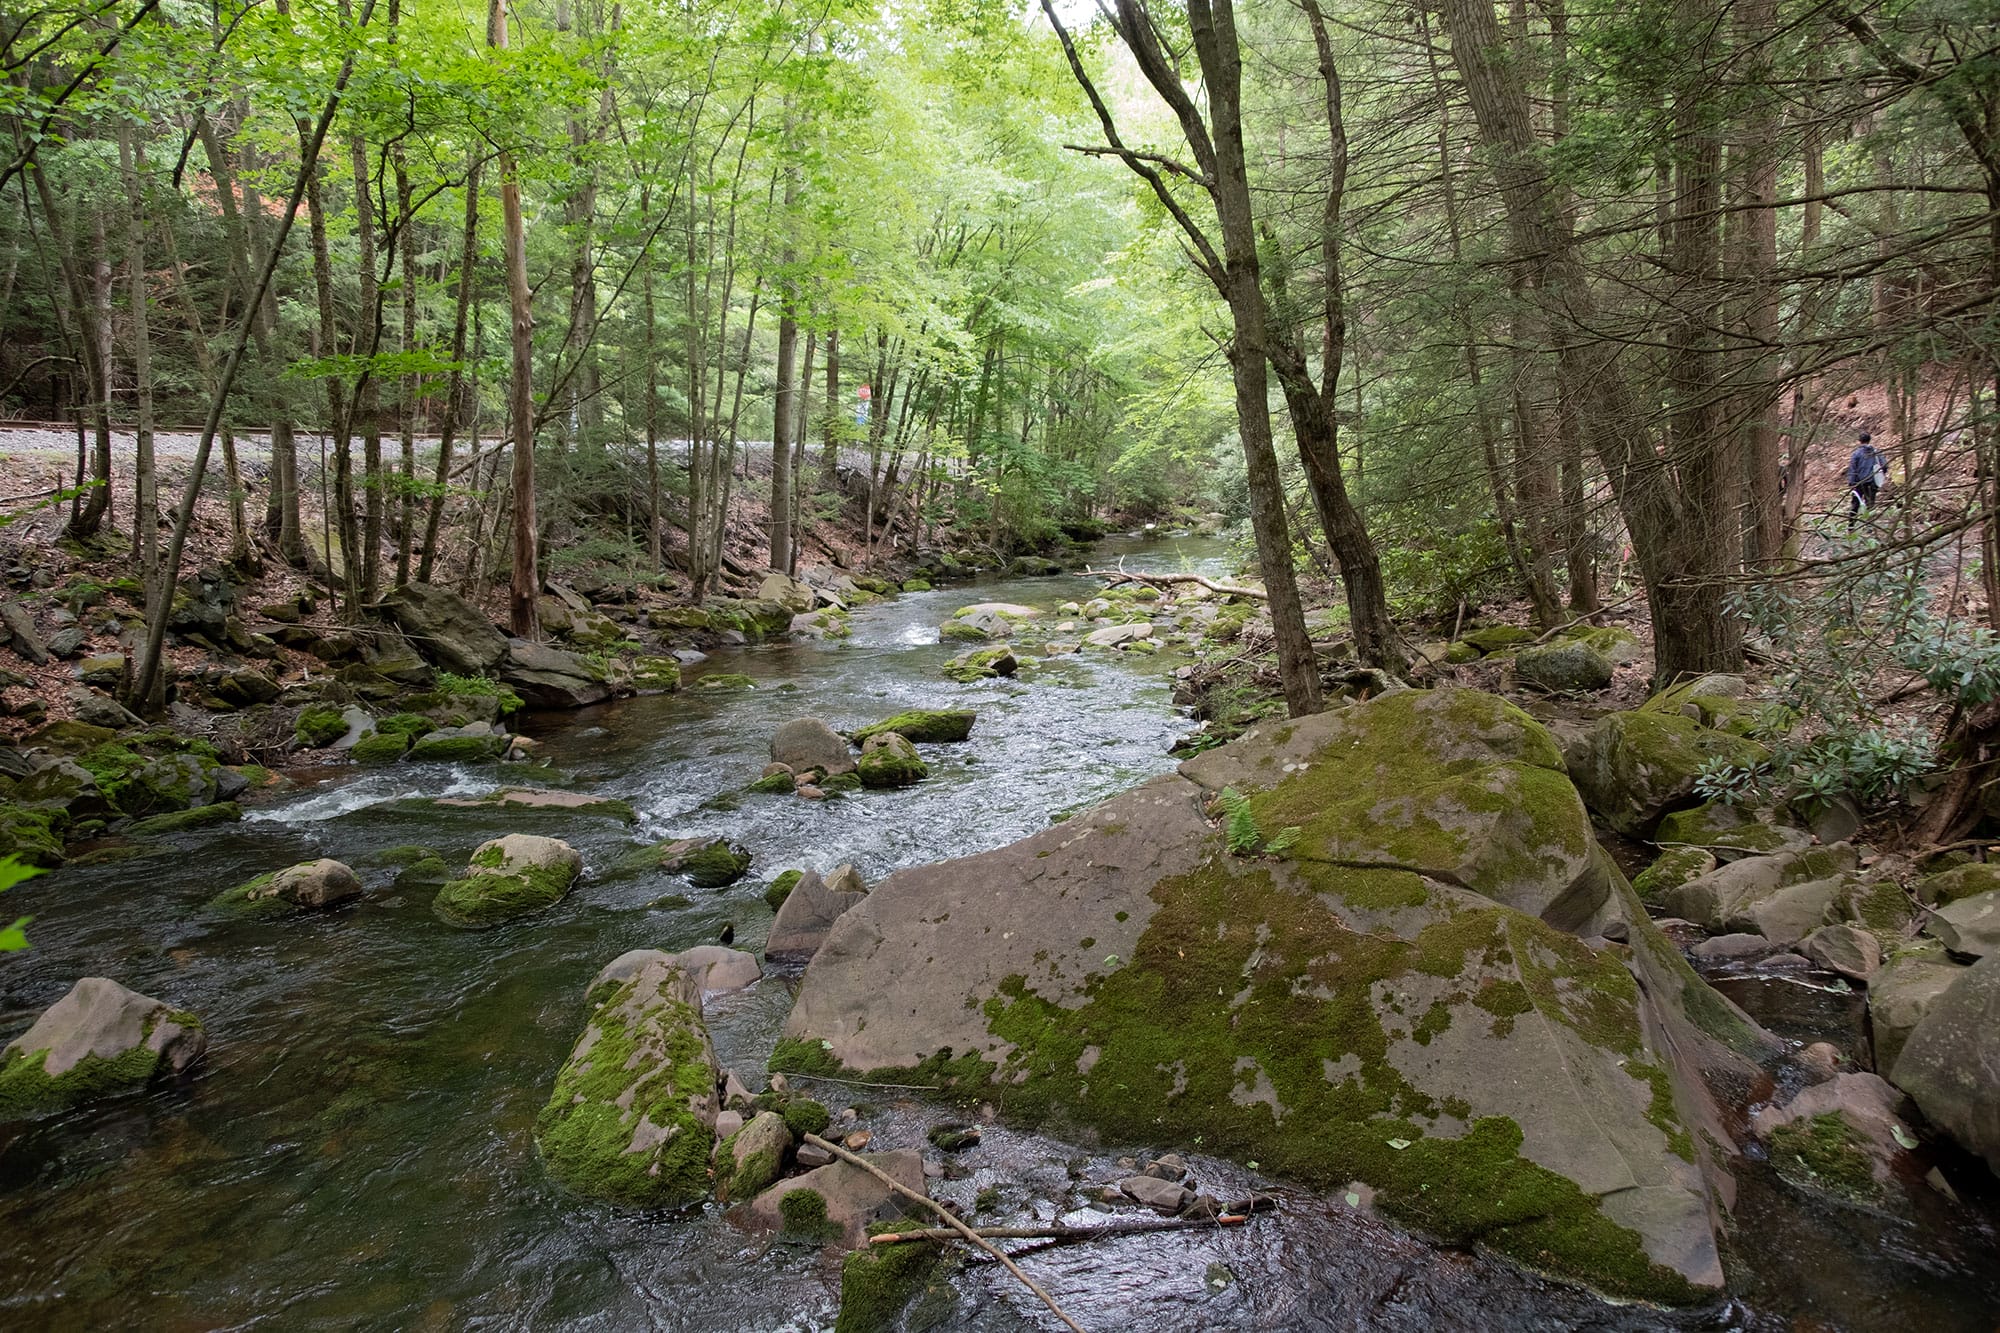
12	872
1241	831
455	686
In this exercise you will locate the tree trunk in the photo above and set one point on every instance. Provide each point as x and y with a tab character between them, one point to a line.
145	497
368	392
525	584
455	396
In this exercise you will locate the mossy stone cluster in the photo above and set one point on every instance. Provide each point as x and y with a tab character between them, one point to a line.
879	1282
447	749
777	784
707	863
1824	1152
1670	869
380	747
32	835
631	1116
926	726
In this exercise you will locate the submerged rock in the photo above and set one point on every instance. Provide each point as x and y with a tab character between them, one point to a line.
708	863
632	1116
1393	997
848	1198
313	884
509	877
982	664
97	1040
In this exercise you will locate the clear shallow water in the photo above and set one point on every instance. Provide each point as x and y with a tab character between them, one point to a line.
357	1150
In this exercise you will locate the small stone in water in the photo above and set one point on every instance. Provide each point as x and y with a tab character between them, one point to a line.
858	1140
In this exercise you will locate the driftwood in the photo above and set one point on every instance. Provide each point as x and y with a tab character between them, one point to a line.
1122	575
951	1219
1128	1228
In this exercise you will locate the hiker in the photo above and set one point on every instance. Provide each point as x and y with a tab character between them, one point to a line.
1867	473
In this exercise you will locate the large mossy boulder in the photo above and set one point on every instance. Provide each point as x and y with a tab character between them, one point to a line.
632	1116
34	836
752	618
446	628
1728	831
1951	1063
98	1039
1634	767
1395	997
926	726
509	877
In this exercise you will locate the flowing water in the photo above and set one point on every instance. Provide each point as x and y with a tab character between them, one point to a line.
357	1153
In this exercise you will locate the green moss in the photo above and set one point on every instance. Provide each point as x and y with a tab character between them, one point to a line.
751	1175
1661	1110
27	1088
781	888
891	766
319	726
796	1056
957	631
1823	1153
32	835
712	865
924	725
879	1282
624	1076
488	899
803	1214
384	747
841	783
201	816
1671	869
778	784
455	749
1498	638
805	1116
916	585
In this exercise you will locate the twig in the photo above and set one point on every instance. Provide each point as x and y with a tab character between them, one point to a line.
950	1218
1131	1228
1572	624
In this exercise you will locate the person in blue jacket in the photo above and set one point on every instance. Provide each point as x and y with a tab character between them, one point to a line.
1867	470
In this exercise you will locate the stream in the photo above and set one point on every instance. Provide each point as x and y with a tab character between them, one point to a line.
357	1153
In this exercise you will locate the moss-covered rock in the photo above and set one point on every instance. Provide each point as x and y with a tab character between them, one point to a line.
708	863
1563	667
456	745
1724	828
754	618
925	726
1634	767
509	877
1461	653
97	1040
201	816
889	760
780	888
380	747
879	1282
1718	701
1671	869
1390	995
34	836
1498	638
313	884
753	1157
916	585
319	726
662	674
724	680
777	784
1961	881
982	664
631	1118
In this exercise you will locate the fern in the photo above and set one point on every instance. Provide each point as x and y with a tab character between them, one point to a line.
1240	825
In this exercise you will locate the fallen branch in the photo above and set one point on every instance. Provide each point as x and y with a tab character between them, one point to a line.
950	1218
1130	1228
1590	616
1122	575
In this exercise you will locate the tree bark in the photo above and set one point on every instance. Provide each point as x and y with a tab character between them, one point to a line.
525	583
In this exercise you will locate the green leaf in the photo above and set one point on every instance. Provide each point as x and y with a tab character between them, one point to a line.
13	939
1902	1136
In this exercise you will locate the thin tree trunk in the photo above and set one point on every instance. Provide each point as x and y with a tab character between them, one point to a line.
455	397
412	384
145	497
525	583
368	392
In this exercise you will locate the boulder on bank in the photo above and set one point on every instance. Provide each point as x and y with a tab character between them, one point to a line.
926	726
1393	997
509	877
1900	995
310	884
1951	1063
632	1116
1565	666
97	1040
808	911
1781	897
889	760
1729	831
446	628
547	677
1969	927
807	742
1634	767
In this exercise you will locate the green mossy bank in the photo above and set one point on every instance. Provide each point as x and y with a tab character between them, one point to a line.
1400	996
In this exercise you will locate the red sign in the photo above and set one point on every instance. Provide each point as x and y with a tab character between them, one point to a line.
863	393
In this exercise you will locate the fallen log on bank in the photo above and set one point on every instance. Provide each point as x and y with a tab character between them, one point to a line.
1061	1233
1118	576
